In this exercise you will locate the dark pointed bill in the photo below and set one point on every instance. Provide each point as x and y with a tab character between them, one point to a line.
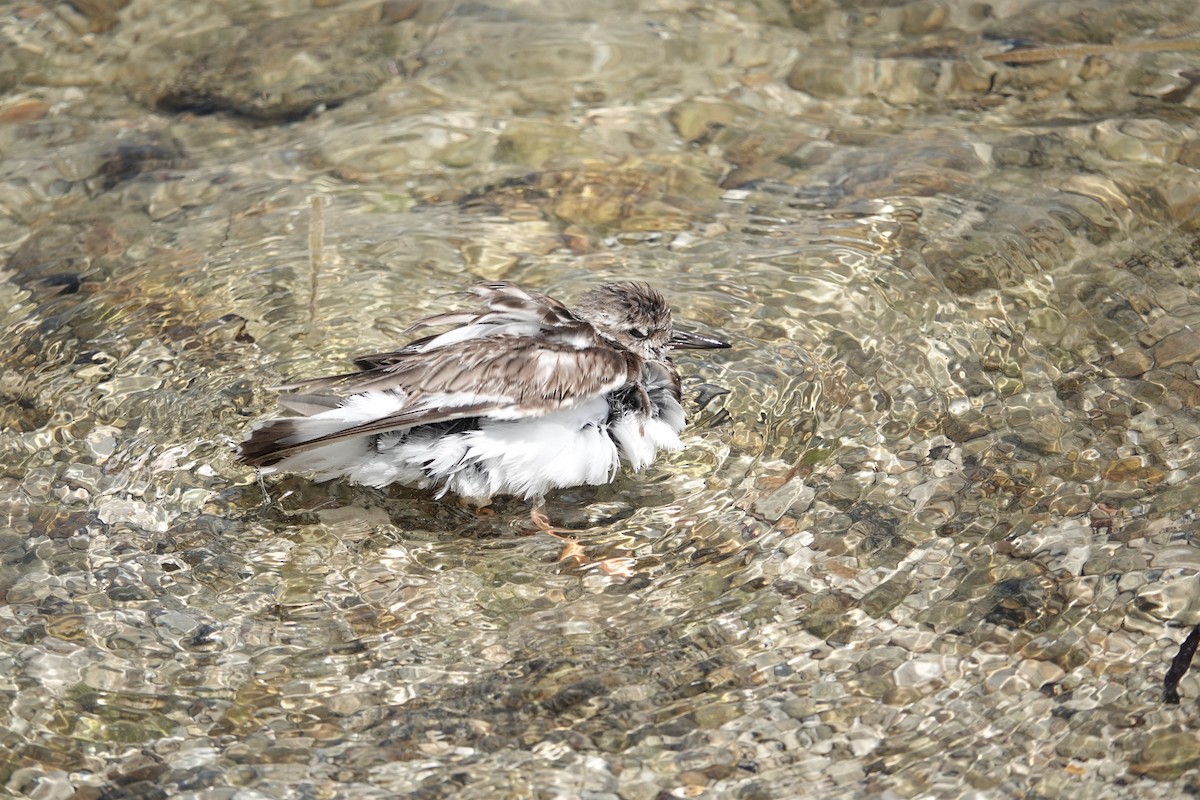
685	340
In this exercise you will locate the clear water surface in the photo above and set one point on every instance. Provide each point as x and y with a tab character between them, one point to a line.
933	533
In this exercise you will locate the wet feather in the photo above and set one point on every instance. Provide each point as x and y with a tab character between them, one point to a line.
521	395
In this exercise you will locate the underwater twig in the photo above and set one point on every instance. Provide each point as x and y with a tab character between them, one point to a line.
316	251
437	28
1032	55
1179	666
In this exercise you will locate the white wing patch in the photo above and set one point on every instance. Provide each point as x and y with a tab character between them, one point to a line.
355	410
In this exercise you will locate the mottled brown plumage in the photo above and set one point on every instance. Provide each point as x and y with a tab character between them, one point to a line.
518	356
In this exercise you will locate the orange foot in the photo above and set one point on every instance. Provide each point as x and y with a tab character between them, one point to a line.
537	516
573	555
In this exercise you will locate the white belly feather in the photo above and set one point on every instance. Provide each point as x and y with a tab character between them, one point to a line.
525	457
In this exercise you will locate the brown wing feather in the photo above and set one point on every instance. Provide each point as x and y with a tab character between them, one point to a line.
263	449
505	375
500	302
533	375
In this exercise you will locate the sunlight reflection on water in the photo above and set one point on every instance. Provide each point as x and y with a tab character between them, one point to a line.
941	486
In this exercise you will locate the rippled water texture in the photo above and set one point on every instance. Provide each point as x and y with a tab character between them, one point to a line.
937	539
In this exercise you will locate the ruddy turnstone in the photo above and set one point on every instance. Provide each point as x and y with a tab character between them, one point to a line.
522	395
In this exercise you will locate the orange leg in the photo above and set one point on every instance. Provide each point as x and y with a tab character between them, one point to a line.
537	515
572	553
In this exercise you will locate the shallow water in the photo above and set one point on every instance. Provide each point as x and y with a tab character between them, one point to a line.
936	540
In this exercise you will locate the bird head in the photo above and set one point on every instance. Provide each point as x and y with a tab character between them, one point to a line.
636	317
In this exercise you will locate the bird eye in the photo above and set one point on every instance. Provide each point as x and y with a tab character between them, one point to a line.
638	333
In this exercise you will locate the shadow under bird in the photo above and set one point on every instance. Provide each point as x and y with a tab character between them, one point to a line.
522	395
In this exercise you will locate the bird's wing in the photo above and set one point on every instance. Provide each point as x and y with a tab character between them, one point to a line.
518	354
522	348
516	376
504	309
504	377
501	301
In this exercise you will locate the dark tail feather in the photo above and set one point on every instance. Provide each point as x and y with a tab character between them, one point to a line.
264	446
